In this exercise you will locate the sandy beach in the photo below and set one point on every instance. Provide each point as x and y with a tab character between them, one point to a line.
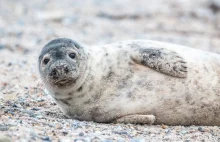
27	111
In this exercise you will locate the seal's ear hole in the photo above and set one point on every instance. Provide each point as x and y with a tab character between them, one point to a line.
72	55
46	60
77	45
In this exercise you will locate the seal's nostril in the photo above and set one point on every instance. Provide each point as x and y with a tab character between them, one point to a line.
53	72
66	70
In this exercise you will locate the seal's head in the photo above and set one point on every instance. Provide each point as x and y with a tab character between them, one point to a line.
59	62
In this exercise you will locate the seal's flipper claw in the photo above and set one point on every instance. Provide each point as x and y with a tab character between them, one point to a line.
162	60
137	119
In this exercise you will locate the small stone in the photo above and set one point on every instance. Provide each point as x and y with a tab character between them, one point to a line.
56	16
137	140
3	128
52	103
2	46
163	126
122	133
95	139
75	125
183	132
9	64
4	138
30	113
35	109
19	34
201	129
39	116
79	140
40	100
46	138
2	32
69	20
214	6
107	140
58	126
81	134
167	131
65	132
27	104
152	135
14	105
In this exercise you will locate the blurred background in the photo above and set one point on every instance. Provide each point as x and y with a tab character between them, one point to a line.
30	24
27	25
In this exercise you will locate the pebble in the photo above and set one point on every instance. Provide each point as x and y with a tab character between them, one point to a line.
214	6
121	133
2	31
14	105
35	109
153	135
58	125
46	138
65	132
40	100
81	134
4	138
167	131
69	20
201	129
164	126
183	132
107	140
4	128
2	46
39	116
56	16
137	140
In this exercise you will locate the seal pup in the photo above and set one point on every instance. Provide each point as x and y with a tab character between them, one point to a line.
138	81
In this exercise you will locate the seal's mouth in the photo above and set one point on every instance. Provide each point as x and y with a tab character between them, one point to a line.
64	82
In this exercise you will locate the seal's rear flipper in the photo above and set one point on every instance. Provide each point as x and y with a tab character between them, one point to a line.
137	119
162	60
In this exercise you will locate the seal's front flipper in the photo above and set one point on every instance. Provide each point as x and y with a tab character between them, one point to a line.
137	119
162	60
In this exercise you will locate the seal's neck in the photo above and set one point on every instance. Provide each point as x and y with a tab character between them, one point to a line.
84	72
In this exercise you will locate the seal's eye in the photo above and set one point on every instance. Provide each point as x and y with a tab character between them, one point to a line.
72	55
46	60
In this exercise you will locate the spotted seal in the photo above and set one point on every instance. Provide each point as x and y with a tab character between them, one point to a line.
138	81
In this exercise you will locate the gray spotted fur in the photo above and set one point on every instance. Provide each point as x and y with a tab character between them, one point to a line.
162	60
136	81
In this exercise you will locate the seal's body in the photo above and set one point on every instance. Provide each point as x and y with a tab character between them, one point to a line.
138	81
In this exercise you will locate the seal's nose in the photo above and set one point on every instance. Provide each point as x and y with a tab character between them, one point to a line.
59	70
62	68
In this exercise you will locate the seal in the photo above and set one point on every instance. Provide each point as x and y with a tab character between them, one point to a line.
137	81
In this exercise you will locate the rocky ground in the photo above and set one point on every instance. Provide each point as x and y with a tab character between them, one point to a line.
29	114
